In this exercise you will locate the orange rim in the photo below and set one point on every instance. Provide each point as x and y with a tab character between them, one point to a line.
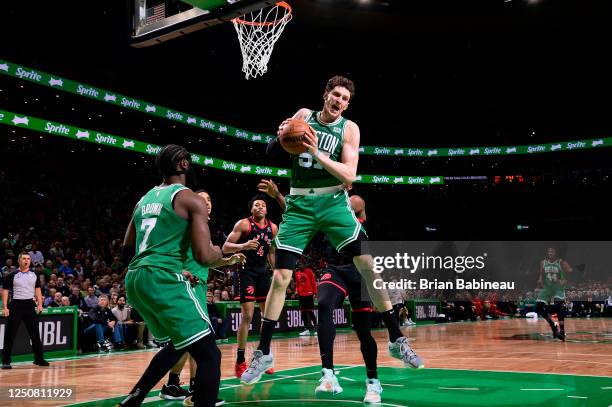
267	23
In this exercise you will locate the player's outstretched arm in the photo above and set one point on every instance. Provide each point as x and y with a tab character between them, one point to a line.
268	187
346	170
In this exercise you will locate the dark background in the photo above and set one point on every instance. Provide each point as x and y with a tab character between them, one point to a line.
444	73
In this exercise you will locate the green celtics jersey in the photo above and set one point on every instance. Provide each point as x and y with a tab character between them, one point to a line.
194	267
162	237
306	172
553	273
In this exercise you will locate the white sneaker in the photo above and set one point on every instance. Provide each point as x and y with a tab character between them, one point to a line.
410	322
305	332
373	390
401	349
328	382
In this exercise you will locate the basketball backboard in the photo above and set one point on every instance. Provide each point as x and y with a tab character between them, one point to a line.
155	21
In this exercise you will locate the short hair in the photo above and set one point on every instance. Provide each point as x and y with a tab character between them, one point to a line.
120	297
22	254
340	81
103	296
258	197
168	158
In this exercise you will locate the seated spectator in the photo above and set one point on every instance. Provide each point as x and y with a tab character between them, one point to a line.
75	297
113	300
224	295
122	312
62	287
90	301
78	270
57	300
50	297
65	302
104	322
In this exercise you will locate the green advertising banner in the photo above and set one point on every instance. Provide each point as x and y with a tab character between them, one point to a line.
108	140
114	98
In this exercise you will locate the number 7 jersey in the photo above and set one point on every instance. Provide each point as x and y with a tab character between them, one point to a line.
162	237
306	172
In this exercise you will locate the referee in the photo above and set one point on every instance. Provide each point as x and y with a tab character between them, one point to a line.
24	284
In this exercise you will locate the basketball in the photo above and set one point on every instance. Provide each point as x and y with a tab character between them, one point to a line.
292	136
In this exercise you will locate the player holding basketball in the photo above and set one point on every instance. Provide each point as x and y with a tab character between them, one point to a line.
341	279
551	298
253	237
318	201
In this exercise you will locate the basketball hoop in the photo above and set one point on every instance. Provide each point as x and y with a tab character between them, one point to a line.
257	34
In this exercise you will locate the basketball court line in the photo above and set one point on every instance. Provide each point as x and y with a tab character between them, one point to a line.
298	377
387	364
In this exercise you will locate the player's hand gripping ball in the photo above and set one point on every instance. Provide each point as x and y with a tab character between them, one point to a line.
291	135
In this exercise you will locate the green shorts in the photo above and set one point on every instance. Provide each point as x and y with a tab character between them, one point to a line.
170	306
549	294
308	214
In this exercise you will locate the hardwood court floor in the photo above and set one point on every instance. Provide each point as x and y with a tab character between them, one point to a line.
516	345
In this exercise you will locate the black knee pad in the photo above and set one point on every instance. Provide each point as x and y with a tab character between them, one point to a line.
329	297
285	259
357	247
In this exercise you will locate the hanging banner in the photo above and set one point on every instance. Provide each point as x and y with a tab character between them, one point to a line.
108	140
57	82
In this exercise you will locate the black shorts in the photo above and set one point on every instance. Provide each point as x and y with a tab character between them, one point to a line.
346	278
307	303
252	284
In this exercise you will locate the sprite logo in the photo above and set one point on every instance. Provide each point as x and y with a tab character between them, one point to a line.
578	144
535	149
152	149
130	103
84	90
32	75
263	170
100	138
56	82
416	180
382	179
379	151
415	152
206	125
242	134
57	129
229	166
195	158
492	150
456	151
174	115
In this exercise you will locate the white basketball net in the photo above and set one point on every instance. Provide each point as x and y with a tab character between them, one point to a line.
257	34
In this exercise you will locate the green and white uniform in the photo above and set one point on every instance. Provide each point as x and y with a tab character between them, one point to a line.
155	285
317	200
553	274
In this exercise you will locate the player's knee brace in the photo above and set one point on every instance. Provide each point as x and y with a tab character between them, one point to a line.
329	298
